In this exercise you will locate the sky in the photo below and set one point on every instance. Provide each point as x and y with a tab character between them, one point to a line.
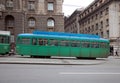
69	6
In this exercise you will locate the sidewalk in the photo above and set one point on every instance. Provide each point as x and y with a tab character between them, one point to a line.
52	61
114	57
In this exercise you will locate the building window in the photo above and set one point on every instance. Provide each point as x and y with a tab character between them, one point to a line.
89	21
31	22
101	13
91	9
9	4
107	11
88	11
89	30
50	22
96	16
96	33
31	5
107	22
96	26
9	21
96	5
2	7
50	6
10	24
102	34
101	1
101	24
107	33
92	27
92	18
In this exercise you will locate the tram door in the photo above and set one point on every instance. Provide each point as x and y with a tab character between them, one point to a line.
85	49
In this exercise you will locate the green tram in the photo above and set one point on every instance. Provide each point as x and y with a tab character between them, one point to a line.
4	42
47	44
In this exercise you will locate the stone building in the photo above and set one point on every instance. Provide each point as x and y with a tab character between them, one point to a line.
24	16
102	17
72	22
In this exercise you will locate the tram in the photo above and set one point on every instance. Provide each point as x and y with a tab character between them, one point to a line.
4	42
47	44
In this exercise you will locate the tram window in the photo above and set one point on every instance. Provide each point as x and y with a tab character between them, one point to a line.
103	45
86	44
40	42
25	41
7	40
3	39
75	44
34	41
19	40
64	43
95	45
43	42
53	42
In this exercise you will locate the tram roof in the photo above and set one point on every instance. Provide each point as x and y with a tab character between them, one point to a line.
65	34
67	37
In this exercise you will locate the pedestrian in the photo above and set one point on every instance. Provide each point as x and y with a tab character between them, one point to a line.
111	50
116	53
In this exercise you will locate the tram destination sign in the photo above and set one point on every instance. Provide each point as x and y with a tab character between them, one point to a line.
5	32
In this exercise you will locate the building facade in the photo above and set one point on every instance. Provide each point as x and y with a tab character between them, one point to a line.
72	22
102	17
24	16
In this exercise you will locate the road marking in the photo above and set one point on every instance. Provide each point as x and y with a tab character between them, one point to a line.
88	73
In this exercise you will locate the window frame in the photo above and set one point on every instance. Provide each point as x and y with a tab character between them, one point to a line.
24	41
50	6
65	43
50	22
42	42
31	5
75	44
9	4
85	44
31	22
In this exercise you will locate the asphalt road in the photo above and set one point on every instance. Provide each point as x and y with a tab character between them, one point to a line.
108	72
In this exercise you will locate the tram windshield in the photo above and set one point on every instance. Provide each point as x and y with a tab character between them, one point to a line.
4	39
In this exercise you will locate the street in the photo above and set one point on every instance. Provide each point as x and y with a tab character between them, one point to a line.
108	72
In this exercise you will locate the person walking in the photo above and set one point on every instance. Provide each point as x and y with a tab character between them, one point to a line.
111	50
116	53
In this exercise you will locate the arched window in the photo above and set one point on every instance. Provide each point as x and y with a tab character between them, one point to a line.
50	22
9	21
31	22
10	24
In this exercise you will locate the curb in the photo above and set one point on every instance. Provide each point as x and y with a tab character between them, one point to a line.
52	61
48	63
45	63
